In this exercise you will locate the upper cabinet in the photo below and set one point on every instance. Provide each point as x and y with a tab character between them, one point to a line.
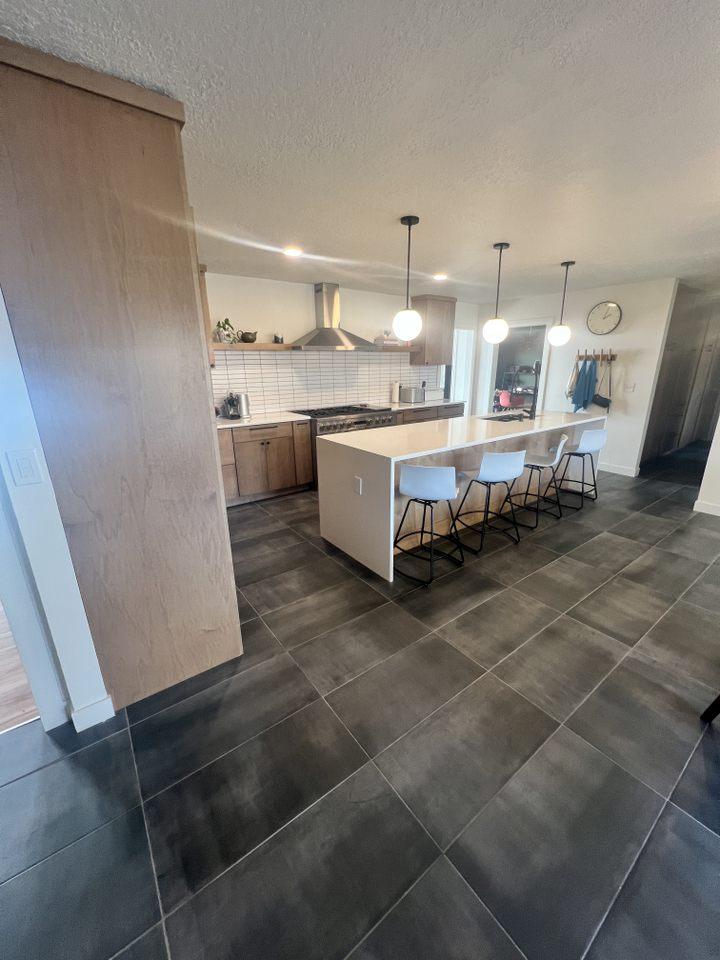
435	344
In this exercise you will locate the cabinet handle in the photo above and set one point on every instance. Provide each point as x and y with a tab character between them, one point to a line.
271	426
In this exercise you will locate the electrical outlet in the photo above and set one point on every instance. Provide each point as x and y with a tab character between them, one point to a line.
630	386
24	467
357	485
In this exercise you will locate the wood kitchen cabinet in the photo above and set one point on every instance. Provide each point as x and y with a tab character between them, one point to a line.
434	346
266	458
444	412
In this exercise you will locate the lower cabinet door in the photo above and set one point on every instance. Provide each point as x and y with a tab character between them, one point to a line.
280	463
230	484
303	453
251	467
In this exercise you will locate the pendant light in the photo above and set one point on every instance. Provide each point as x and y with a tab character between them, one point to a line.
496	329
407	323
559	334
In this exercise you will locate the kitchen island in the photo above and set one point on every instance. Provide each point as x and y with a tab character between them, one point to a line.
358	473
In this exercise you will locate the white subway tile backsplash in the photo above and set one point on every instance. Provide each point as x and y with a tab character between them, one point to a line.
292	381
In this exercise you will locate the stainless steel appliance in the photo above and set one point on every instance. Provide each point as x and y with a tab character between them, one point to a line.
352	416
412	394
236	406
328	334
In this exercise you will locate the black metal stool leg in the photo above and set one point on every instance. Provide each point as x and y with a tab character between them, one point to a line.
508	499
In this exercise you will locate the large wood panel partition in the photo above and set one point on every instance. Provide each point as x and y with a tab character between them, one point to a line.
99	272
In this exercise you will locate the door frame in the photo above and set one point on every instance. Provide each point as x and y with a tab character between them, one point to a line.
492	362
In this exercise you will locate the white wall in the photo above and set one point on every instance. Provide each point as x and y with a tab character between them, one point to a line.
638	342
709	497
274	306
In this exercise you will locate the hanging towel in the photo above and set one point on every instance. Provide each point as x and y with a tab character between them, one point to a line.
585	386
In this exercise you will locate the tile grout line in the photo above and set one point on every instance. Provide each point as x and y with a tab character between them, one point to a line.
153	867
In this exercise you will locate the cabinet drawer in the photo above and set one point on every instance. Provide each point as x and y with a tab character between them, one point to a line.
415	416
265	431
225	442
452	410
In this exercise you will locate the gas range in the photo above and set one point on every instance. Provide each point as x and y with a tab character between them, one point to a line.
352	416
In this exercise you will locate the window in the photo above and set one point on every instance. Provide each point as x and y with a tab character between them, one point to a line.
463	359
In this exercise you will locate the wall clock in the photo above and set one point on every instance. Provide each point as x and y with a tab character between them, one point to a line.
604	317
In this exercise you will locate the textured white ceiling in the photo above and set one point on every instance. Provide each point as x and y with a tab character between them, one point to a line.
573	129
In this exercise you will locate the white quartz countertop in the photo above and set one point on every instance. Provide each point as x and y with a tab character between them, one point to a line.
438	436
258	419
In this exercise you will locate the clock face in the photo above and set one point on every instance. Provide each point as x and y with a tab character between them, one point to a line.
604	317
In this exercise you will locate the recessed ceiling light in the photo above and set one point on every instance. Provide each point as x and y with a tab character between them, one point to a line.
293	252
440	276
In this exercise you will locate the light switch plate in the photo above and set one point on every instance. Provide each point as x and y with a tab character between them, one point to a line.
24	467
357	485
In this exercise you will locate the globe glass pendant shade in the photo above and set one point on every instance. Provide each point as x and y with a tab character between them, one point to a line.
558	335
407	324
495	330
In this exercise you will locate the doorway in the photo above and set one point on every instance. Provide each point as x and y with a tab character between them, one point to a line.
686	405
520	367
17	704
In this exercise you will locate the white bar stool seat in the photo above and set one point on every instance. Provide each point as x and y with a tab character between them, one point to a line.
426	486
536	463
591	442
495	468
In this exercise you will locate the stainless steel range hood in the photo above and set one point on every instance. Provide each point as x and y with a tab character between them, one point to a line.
328	334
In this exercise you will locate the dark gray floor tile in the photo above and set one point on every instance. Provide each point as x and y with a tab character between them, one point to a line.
202	825
171	744
564	537
663	572
308	527
561	665
249	521
259	645
29	747
645	528
706	592
662	488
669	509
440	919
608	551
398	587
253	548
286	587
687	495
687	640
492	630
348	858
451	596
704	521
382	704
151	946
698	791
448	767
346	651
634	499
85	902
313	615
622	609
562	583
696	543
52	807
513	563
271	564
598	515
244	609
549	852
292	508
645	718
669	908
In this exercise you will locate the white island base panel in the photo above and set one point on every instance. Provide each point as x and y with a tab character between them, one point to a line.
358	472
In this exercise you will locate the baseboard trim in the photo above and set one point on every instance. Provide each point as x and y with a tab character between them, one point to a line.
704	506
93	713
616	468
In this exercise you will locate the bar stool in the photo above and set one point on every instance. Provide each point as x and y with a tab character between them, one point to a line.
495	468
591	441
426	486
536	463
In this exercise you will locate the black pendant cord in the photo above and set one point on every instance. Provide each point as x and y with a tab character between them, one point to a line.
407	275
497	290
567	264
